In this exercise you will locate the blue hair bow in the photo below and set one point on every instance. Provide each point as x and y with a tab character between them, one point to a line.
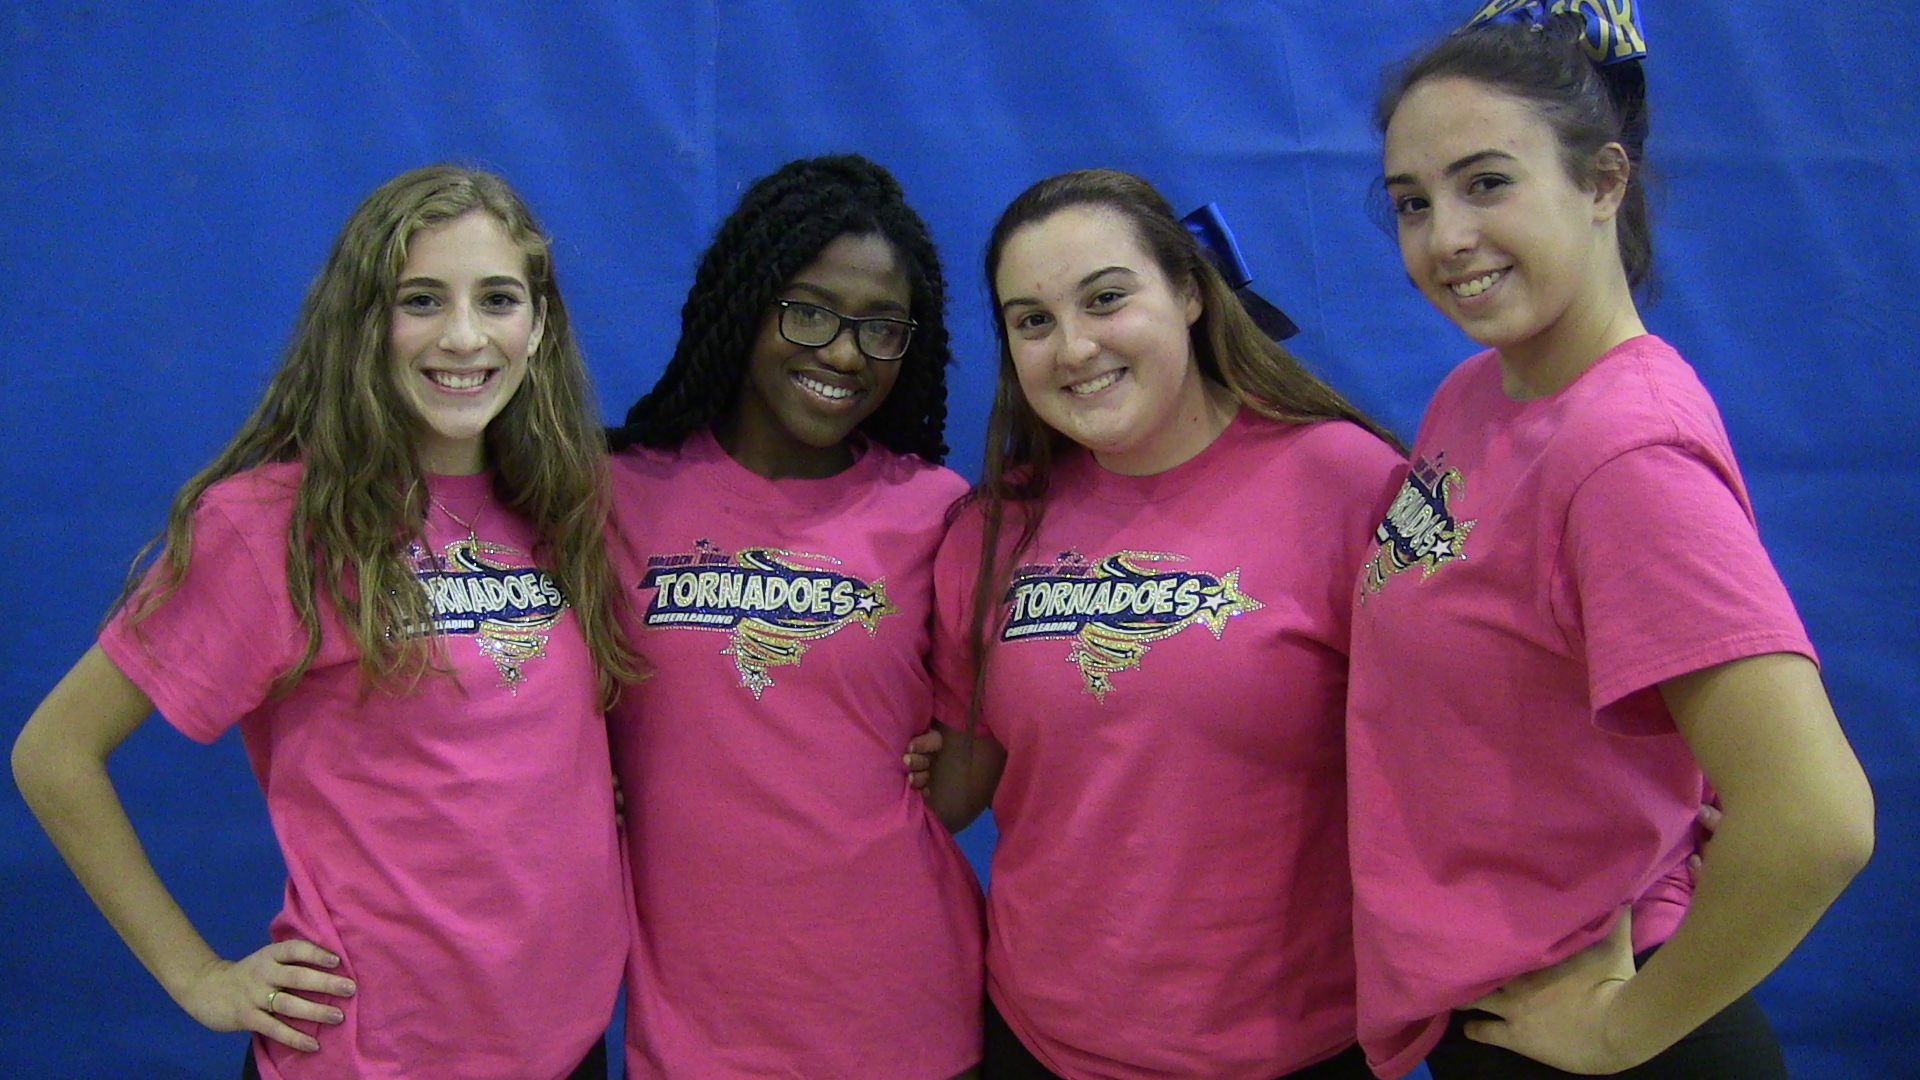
1613	26
1217	243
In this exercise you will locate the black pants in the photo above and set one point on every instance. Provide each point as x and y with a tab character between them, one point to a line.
1007	1058
1737	1043
591	1067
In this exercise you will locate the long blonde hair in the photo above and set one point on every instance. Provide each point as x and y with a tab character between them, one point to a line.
334	407
1229	348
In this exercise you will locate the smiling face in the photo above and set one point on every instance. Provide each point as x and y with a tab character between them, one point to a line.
799	404
1100	341
463	326
1498	236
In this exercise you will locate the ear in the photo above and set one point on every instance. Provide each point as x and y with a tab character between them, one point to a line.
1612	171
539	329
1195	306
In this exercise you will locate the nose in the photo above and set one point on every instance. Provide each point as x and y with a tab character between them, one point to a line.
1077	343
843	353
1451	230
462	333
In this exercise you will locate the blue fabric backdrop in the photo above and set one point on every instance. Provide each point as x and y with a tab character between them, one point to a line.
172	177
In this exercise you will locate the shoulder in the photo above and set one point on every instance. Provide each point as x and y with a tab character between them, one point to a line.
903	487
1336	462
641	466
1643	394
912	477
1346	447
254	503
966	520
1472	377
237	545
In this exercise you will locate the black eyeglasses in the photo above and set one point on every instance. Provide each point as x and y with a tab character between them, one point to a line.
816	327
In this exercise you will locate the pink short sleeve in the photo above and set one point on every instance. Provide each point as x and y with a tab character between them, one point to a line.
1668	577
955	569
209	654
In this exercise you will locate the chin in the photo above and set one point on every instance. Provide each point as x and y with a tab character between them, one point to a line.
821	436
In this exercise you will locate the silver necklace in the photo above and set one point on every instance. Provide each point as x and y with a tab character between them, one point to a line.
472	536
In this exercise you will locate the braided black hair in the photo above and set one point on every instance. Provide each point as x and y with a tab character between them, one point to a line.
783	223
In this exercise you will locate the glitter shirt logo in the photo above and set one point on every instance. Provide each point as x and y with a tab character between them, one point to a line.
485	591
771	603
1420	528
1115	609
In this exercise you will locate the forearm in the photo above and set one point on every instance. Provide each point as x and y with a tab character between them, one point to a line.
1763	885
1797	825
75	802
965	775
60	765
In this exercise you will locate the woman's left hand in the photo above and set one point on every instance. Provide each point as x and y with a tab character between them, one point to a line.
1559	1015
919	757
1709	818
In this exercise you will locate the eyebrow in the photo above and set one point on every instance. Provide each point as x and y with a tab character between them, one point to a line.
1468	162
494	282
832	298
1007	305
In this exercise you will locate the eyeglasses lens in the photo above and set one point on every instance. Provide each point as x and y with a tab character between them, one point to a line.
815	327
885	339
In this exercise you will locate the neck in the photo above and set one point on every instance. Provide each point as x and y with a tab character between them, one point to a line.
1592	326
777	458
464	459
1192	430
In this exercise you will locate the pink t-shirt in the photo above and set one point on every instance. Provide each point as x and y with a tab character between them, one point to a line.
1515	775
1169	895
455	845
801	912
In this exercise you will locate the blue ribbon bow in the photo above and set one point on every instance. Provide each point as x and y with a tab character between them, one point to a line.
1217	243
1613	26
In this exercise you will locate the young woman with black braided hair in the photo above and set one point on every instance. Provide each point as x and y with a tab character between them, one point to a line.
778	499
1568	623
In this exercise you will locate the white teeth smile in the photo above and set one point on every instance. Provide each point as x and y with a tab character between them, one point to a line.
1478	285
825	390
1095	385
455	380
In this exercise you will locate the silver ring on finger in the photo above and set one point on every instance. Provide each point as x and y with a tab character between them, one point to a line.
271	995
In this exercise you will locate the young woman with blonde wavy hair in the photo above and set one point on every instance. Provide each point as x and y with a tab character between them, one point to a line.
392	582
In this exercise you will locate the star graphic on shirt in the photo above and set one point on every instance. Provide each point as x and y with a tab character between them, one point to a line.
1224	601
867	603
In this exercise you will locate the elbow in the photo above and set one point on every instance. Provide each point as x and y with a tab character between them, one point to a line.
1835	841
48	763
950	812
1852	836
951	821
32	768
1831	867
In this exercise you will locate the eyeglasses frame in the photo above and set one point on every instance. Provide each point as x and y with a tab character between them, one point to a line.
842	324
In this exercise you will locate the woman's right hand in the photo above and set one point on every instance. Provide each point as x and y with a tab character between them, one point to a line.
257	993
